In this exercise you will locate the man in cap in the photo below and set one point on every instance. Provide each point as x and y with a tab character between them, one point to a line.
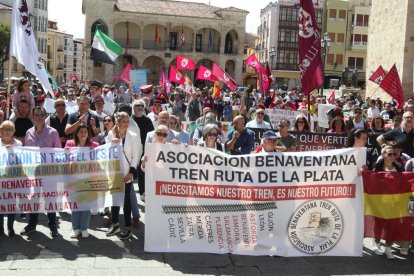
268	143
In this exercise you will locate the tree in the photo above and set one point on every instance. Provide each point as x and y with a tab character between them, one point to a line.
4	47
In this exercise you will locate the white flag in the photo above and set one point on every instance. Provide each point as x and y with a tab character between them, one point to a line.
23	43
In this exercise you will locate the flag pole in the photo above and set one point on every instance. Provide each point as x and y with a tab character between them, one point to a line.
9	86
261	80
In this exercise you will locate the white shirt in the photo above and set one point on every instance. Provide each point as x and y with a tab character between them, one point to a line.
255	124
373	112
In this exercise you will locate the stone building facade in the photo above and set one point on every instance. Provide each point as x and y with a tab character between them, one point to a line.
202	32
391	40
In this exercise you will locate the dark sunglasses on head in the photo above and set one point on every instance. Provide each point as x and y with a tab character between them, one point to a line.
162	134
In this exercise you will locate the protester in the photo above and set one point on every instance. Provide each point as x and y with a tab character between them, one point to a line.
337	125
80	219
175	124
285	142
356	121
59	120
22	121
7	129
240	140
403	135
211	133
132	152
387	164
155	111
268	142
41	136
145	126
194	107
108	123
23	93
378	126
163	119
83	116
258	121
301	124
161	133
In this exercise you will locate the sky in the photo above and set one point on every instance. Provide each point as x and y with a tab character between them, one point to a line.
68	13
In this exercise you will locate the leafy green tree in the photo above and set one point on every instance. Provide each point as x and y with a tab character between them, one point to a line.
4	47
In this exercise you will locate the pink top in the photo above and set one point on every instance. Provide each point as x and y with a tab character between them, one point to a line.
71	144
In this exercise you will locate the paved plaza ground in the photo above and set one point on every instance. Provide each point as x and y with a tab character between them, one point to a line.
41	255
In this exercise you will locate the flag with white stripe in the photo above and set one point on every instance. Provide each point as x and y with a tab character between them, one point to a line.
104	49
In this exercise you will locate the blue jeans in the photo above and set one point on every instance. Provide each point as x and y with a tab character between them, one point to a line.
80	220
134	203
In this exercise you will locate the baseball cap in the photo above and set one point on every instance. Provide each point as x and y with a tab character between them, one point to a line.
269	134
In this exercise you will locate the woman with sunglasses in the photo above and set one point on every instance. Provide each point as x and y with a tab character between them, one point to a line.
131	152
387	164
80	219
108	123
160	137
210	133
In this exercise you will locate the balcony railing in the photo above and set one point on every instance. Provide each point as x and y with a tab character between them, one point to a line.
133	43
205	48
290	45
188	47
151	44
285	66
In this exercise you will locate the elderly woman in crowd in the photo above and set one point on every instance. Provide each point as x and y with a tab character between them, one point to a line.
211	133
132	152
160	137
7	131
80	219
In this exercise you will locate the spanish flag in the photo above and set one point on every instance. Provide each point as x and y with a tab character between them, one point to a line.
389	205
216	90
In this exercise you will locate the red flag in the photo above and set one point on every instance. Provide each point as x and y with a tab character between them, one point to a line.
392	85
387	205
176	76
165	84
220	75
125	74
331	98
157	35
184	63
378	75
253	62
310	61
203	73
265	77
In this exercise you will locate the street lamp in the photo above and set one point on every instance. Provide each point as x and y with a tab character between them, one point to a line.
325	45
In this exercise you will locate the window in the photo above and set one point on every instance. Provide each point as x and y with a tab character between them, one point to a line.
339	59
355	63
342	14
330	59
366	20
332	37
340	38
359	20
332	14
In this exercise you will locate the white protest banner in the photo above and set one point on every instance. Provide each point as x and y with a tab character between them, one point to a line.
275	115
323	120
287	204
49	105
52	180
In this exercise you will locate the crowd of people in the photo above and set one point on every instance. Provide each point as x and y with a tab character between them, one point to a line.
155	116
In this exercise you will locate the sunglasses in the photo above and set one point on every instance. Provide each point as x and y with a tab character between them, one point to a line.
107	121
139	105
162	134
301	122
392	154
260	113
358	112
212	134
60	105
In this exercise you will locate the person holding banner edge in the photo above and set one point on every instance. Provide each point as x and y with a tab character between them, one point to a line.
7	131
42	136
80	219
132	152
